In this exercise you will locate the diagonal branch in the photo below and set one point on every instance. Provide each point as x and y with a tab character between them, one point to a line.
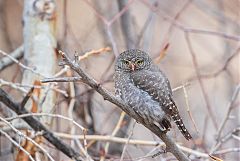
38	126
171	146
7	61
17	144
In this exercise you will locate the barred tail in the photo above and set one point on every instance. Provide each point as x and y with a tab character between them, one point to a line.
178	120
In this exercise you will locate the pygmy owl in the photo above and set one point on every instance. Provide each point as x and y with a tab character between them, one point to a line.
147	91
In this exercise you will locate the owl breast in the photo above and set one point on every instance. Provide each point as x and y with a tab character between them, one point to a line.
140	101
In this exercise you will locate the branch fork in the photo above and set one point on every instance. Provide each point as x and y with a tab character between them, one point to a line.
171	146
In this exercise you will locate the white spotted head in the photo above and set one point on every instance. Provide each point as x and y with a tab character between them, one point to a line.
133	60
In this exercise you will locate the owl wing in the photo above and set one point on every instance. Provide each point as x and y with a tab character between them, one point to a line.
156	84
143	107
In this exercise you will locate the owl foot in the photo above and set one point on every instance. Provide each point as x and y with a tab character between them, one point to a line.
165	125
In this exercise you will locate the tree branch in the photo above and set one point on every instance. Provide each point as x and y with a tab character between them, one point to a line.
6	61
170	144
38	126
126	24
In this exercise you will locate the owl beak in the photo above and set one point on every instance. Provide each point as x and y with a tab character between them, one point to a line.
132	66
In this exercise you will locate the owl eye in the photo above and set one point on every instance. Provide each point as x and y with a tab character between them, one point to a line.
139	62
126	62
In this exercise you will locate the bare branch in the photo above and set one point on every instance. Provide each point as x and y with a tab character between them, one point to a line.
94	52
26	98
37	126
26	137
126	23
229	107
14	60
62	79
225	138
195	64
228	150
185	29
188	108
116	129
21	87
171	146
46	114
109	138
6	61
126	144
17	144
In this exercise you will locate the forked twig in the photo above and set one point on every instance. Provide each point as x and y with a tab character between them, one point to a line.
170	144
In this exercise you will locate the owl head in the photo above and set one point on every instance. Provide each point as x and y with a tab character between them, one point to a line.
133	60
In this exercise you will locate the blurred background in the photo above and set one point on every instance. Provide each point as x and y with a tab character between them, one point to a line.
195	42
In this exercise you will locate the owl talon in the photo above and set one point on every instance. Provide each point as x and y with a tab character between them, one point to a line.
163	129
166	124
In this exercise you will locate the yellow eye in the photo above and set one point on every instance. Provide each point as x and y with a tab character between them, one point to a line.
139	62
126	62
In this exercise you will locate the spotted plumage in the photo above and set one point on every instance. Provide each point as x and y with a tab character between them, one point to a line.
145	88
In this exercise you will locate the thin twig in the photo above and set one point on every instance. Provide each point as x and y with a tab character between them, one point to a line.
70	114
109	138
183	28
22	65
94	52
71	106
21	87
171	146
62	79
13	85
188	108
126	144
26	137
228	150
225	138
176	17
126	24
46	114
181	86
6	61
116	129
26	98
236	137
17	144
112	41
235	53
19	126
38	126
229	107
62	71
195	64
148	155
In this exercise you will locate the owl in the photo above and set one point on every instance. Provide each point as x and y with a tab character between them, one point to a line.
147	91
